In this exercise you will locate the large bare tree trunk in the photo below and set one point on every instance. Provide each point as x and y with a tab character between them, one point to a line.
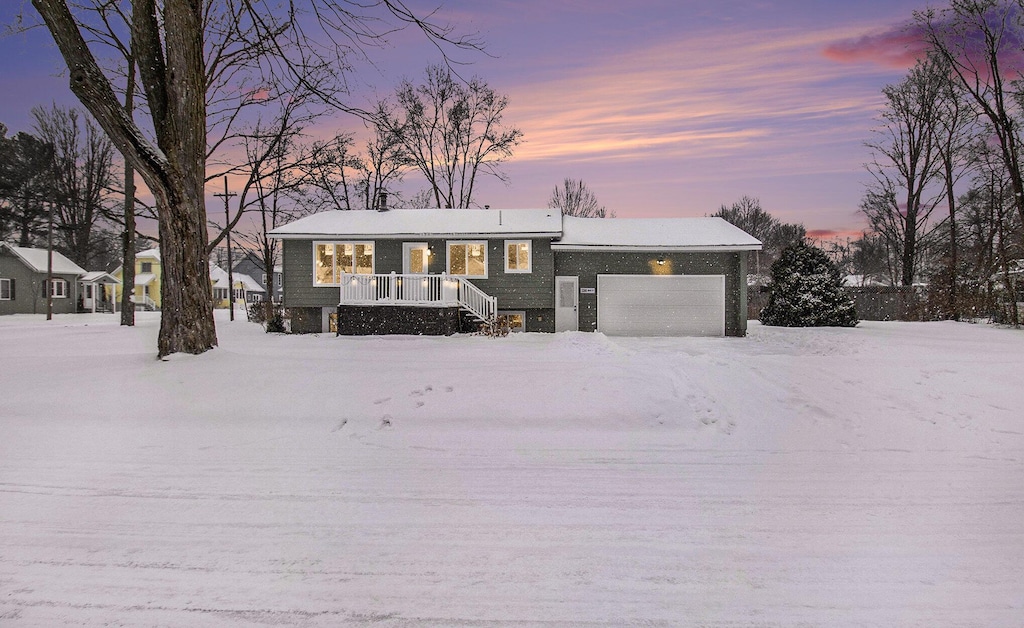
169	52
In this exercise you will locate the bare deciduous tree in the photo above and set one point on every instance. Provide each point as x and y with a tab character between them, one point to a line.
168	42
774	234
575	198
82	166
978	39
906	166
452	132
254	44
955	135
335	176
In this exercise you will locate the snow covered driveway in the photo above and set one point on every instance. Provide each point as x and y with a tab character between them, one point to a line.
823	477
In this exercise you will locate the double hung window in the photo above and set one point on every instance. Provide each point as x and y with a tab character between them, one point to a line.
58	288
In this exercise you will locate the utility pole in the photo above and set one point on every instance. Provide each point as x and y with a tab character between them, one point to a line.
49	266
227	225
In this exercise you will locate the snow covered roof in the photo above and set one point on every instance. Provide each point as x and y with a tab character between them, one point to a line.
98	276
691	234
220	279
149	254
629	234
36	260
424	222
144	279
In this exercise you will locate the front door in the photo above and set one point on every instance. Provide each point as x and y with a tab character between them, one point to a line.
567	316
415	258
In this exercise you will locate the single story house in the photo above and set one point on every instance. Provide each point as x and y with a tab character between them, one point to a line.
441	270
23	285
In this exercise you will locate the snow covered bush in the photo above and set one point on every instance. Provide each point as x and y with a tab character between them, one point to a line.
806	291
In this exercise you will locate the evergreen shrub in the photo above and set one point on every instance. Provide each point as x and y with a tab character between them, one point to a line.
806	291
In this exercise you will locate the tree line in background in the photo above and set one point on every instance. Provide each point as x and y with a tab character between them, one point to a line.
945	204
63	173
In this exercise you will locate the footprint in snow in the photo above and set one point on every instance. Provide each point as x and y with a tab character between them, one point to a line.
419	393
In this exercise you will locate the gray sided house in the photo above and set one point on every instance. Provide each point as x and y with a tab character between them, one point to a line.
23	285
252	265
440	271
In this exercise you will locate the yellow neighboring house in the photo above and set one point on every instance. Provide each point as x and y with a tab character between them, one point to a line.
147	280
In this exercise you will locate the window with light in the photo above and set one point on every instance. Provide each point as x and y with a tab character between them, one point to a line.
467	259
518	257
333	259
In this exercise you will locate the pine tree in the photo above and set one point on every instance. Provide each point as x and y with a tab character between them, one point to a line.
806	291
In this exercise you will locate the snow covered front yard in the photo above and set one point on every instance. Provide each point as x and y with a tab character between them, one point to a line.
822	477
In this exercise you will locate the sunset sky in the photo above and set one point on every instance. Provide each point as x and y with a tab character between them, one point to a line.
665	108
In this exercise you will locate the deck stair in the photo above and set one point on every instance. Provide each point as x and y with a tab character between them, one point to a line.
419	291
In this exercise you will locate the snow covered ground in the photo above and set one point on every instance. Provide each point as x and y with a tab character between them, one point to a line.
798	477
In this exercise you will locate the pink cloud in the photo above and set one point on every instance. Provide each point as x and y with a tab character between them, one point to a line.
896	48
900	47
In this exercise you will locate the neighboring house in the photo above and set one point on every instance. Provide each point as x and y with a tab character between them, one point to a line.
252	265
439	270
146	293
246	289
23	285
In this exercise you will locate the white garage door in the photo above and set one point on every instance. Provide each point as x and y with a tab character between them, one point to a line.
661	305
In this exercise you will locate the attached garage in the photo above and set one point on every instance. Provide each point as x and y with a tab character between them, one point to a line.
661	305
652	277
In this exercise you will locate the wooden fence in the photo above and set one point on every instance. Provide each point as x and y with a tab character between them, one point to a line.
873	303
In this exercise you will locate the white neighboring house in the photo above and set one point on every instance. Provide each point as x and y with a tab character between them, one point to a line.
246	289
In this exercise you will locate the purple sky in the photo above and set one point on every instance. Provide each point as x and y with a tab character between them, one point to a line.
665	108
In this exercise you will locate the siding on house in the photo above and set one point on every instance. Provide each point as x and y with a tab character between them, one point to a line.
514	291
28	291
252	265
587	265
151	257
299	290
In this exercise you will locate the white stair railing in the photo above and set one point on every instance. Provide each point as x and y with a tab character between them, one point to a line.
476	301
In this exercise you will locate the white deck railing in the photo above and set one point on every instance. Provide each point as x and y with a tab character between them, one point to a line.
417	290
